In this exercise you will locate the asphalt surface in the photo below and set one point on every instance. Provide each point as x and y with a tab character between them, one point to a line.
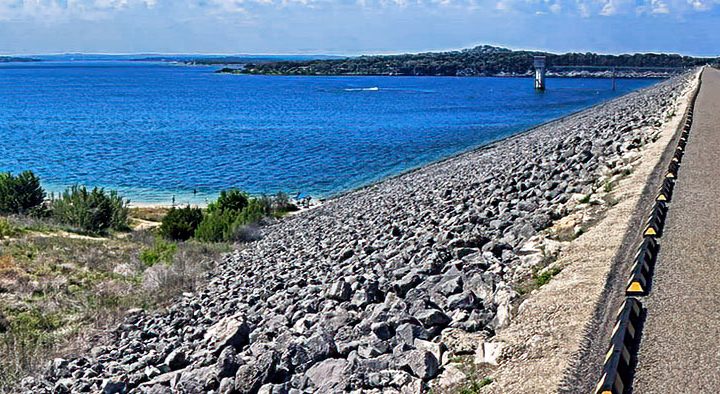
680	347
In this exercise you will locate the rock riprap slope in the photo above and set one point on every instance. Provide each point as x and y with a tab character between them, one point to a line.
376	290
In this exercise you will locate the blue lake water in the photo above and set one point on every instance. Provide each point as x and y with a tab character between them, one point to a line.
157	130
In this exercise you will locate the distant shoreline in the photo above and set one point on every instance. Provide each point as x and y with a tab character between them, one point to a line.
550	74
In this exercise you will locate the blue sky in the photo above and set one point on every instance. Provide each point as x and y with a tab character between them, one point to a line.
357	26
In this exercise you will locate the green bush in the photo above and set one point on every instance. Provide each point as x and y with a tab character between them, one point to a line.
7	229
230	200
225	222
256	210
120	212
216	226
282	204
91	210
161	252
20	194
180	223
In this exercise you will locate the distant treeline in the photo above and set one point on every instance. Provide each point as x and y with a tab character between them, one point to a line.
234	59
479	61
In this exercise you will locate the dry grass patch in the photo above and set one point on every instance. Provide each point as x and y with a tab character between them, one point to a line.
58	289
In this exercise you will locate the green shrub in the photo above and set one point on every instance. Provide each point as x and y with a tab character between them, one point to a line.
7	229
217	226
234	215
545	277
474	386
20	194
91	210
256	210
180	223
120	212
224	222
230	200
161	252
608	187
282	204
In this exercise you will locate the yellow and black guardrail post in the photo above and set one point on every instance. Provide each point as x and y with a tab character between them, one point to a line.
673	168
656	220
666	190
617	370
641	270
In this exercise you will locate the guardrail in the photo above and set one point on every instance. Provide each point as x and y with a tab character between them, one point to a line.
618	368
617	371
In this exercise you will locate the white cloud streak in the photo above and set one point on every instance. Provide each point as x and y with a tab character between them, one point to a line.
49	10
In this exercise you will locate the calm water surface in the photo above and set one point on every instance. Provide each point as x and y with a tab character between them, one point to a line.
156	130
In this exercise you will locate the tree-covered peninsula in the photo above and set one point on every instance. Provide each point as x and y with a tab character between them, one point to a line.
479	61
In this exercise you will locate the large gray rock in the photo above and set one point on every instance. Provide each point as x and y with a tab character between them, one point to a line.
227	365
329	375
198	380
340	291
407	333
422	363
230	331
176	359
433	317
255	373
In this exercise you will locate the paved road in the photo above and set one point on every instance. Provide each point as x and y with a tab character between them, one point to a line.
680	347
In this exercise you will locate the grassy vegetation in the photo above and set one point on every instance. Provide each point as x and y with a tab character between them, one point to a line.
72	265
544	277
474	386
160	252
608	186
7	230
148	214
229	219
477	377
57	288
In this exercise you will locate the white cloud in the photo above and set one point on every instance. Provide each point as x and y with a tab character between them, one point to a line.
608	8
49	10
659	7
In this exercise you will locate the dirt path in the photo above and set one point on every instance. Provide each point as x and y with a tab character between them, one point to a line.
552	335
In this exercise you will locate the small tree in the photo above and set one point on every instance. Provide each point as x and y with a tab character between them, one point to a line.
230	200
91	210
180	223
216	226
20	194
258	209
120	212
232	211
